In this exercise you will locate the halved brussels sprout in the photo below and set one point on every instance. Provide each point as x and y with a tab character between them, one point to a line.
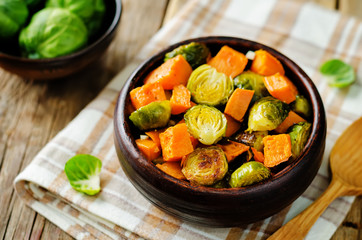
195	54
206	123
253	139
205	166
252	81
301	106
249	173
153	115
299	134
266	114
208	86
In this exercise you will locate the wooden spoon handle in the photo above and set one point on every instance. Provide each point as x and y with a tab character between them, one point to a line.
298	227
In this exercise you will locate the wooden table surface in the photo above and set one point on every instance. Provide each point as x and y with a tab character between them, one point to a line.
31	113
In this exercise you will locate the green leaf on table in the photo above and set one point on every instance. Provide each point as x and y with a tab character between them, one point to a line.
83	173
338	73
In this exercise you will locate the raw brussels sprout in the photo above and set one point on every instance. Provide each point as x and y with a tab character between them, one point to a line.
205	166
266	114
252	81
253	139
301	106
83	173
195	54
90	11
299	134
153	115
53	32
249	173
208	86
206	123
13	14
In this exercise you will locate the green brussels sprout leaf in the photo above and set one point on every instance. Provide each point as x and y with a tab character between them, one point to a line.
299	134
53	32
206	123
205	166
195	54
338	73
249	173
83	173
153	115
209	87
13	14
267	114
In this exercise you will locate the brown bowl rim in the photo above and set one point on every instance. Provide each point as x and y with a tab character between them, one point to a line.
121	124
112	27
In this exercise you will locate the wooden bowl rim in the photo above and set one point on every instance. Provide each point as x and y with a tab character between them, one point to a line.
317	133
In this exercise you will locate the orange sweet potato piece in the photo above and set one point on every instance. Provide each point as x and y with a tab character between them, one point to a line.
155	136
277	149
233	149
280	87
173	169
229	61
149	148
238	103
175	142
266	64
141	96
173	72
180	99
232	126
258	156
289	121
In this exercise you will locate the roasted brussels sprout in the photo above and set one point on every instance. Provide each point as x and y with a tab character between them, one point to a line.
253	139
207	86
206	123
13	14
249	173
195	54
53	32
153	115
301	106
205	166
299	134
266	114
90	11
252	81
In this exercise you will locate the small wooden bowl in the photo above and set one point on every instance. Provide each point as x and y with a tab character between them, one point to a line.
52	68
220	207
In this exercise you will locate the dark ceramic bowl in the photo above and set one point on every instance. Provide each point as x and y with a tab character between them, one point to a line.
51	68
220	207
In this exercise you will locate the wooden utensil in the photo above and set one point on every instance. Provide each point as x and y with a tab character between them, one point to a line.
346	166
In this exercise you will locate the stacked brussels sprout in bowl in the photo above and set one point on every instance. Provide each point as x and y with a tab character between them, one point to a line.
39	38
219	126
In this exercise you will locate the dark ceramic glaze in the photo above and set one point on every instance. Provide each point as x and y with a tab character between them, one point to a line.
63	66
220	207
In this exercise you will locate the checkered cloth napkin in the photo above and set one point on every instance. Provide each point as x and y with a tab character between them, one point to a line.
304	32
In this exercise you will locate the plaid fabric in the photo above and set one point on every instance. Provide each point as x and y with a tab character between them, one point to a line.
304	32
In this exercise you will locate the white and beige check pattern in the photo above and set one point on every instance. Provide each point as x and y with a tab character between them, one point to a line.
304	32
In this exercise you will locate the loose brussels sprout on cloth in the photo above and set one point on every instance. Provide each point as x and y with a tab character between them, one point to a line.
266	114
13	14
249	173
206	123
301	106
53	32
195	54
299	134
208	86
153	115
90	11
205	166
83	173
252	81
